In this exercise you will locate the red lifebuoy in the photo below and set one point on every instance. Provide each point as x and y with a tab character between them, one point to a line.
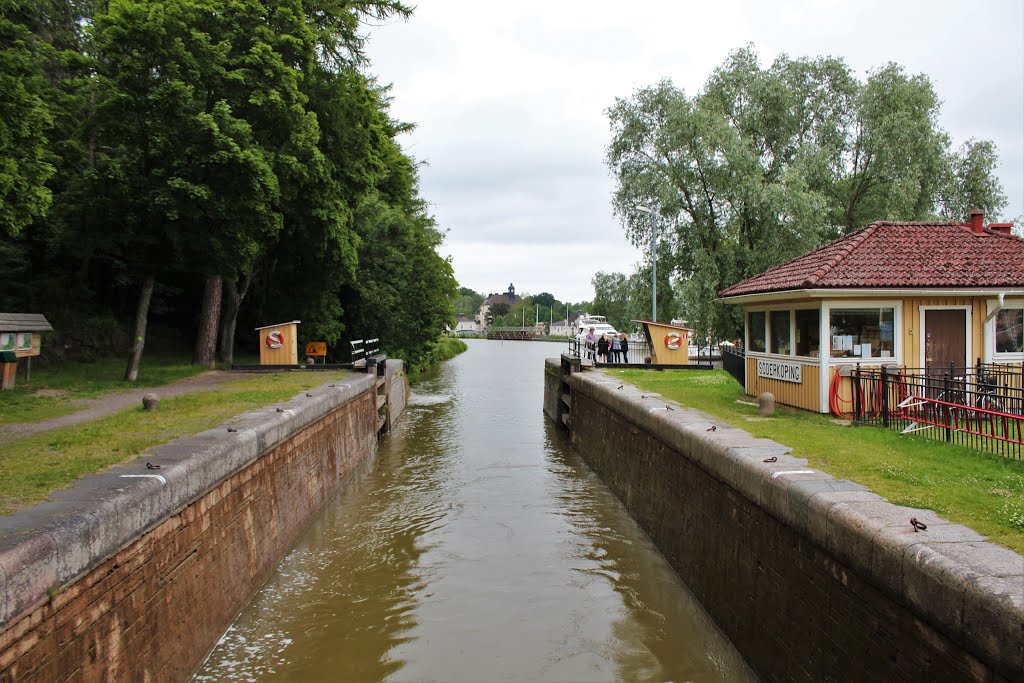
274	339
672	340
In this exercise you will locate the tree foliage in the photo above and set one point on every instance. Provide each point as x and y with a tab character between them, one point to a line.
765	163
467	302
25	121
154	147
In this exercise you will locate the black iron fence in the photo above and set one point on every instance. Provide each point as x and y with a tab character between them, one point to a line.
734	361
980	407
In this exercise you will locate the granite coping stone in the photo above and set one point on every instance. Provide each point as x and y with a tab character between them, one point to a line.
948	574
78	528
990	604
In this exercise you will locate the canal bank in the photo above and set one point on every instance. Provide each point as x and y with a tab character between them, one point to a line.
811	578
133	574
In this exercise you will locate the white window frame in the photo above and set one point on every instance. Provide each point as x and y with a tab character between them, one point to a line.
812	360
768	338
746	330
990	355
767	310
897	330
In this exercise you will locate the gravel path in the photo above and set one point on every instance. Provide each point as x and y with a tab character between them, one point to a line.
111	403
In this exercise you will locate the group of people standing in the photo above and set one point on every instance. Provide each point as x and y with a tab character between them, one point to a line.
605	349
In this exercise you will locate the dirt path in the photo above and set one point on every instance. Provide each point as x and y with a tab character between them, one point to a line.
113	402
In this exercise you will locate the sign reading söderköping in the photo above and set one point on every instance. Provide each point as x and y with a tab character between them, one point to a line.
780	369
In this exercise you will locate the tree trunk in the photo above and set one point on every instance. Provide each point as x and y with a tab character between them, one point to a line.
209	317
233	297
139	338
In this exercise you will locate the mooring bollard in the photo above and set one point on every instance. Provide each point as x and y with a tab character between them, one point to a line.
766	404
150	402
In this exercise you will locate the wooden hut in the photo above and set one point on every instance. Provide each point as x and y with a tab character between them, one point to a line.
669	344
279	344
19	338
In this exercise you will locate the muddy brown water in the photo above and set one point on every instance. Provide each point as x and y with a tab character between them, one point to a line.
477	546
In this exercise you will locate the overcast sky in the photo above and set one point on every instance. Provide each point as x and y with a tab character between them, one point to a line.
509	100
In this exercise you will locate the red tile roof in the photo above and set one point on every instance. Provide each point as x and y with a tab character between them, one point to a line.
903	255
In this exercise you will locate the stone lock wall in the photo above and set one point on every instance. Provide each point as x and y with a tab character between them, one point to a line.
133	574
812	578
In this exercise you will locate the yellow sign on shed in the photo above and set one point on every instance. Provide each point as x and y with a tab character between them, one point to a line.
279	344
670	344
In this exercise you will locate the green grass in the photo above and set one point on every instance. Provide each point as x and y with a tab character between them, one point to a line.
981	491
33	467
55	388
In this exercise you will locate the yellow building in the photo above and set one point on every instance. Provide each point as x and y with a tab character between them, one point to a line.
924	296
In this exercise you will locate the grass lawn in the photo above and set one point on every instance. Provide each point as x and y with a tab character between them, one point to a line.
983	492
33	467
55	388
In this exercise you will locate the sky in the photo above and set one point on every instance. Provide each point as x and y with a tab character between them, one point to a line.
509	101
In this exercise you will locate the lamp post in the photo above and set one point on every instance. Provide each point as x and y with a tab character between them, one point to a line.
654	260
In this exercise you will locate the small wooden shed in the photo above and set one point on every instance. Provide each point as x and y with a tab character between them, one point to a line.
19	338
669	344
279	344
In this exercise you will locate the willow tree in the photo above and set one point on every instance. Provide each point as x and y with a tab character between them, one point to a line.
765	163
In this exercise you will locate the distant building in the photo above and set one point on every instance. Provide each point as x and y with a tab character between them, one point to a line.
464	325
565	328
510	297
483	317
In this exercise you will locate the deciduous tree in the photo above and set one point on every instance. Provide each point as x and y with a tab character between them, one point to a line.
765	163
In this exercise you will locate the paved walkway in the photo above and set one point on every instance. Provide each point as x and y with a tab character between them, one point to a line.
113	402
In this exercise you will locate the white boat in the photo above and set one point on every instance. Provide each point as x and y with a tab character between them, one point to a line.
598	322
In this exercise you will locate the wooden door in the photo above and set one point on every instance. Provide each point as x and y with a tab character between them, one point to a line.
945	340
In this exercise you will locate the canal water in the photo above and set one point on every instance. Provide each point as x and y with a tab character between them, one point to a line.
477	546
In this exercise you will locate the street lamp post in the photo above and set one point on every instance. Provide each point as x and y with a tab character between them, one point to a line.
654	260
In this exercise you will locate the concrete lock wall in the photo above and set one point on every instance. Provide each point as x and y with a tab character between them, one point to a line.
812	578
396	387
134	573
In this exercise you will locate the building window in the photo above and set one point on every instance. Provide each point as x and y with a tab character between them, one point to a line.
808	332
780	333
1010	330
755	327
862	332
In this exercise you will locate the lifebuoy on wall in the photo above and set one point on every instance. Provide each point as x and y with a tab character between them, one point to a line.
274	340
672	341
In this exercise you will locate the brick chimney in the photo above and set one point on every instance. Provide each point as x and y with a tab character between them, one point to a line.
977	221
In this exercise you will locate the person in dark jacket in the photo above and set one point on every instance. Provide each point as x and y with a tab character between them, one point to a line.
624	346
602	349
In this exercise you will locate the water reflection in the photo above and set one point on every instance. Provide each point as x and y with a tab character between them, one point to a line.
477	546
